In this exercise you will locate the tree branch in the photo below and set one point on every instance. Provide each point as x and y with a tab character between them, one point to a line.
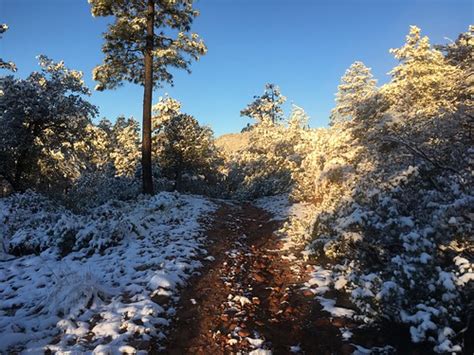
417	151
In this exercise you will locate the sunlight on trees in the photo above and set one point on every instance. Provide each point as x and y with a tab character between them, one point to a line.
357	86
387	189
143	43
266	108
43	116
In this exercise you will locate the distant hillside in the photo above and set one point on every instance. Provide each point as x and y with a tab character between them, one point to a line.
233	142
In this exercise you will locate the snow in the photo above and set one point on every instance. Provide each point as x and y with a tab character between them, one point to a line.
242	300
255	342
100	302
329	306
295	349
320	280
360	350
260	352
346	334
298	218
281	208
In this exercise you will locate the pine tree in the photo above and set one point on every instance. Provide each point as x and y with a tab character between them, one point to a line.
125	151
266	108
460	53
424	82
145	40
164	110
42	118
186	149
357	85
6	65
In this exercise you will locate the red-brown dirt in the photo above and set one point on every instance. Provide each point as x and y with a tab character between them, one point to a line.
275	314
248	262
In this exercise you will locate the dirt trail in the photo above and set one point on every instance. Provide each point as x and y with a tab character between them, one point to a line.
250	296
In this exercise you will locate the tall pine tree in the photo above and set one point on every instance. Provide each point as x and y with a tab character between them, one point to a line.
147	38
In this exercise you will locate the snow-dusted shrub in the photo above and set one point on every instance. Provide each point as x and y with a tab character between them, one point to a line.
73	292
28	223
399	246
97	187
32	223
330	169
93	301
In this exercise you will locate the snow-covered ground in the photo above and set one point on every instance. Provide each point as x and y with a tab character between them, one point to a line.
102	299
296	232
298	217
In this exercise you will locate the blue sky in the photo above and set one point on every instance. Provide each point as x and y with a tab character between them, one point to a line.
301	45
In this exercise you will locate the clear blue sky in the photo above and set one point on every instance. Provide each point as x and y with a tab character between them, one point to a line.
301	45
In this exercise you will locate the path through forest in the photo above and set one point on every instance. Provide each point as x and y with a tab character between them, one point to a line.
249	297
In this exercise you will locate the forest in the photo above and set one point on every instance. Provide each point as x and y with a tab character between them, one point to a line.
120	236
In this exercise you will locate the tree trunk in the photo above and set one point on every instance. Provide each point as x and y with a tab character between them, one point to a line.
147	100
178	172
19	167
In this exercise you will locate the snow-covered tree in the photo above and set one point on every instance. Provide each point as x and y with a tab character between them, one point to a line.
266	108
265	166
357	86
125	152
424	82
391	194
460	53
166	108
42	117
186	152
163	111
5	65
147	38
115	146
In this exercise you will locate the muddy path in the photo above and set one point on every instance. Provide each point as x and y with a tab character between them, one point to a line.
250	295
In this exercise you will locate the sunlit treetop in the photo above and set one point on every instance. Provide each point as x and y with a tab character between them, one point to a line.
424	82
166	108
125	41
266	108
416	48
357	85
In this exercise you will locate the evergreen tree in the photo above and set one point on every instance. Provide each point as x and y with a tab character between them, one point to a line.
424	83
266	108
125	150
164	110
42	119
357	85
460	53
186	149
145	40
